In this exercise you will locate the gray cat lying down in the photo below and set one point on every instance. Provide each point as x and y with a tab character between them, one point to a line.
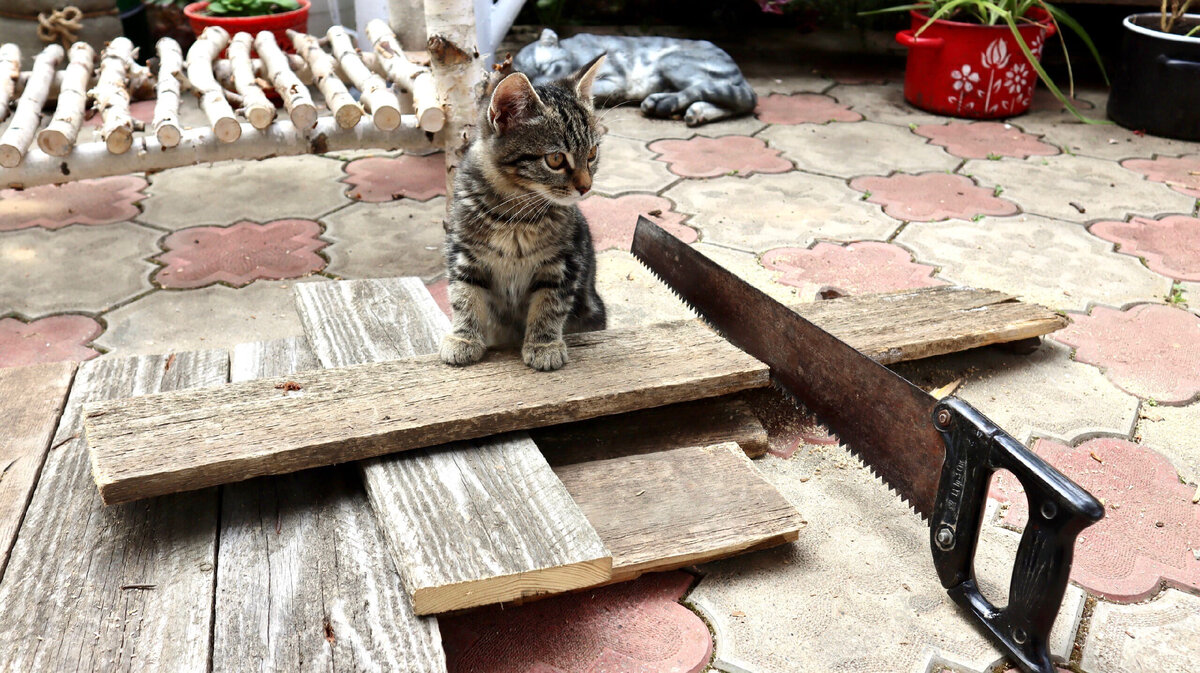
670	76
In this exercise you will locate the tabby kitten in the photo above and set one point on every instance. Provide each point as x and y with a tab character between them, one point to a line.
519	254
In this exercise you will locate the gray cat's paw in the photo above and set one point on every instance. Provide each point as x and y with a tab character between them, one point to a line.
458	351
702	112
545	357
662	104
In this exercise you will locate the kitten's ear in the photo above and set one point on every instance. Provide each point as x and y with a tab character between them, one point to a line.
513	102
587	76
549	38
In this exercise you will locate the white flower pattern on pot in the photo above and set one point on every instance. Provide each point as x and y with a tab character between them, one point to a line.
995	59
1017	78
964	81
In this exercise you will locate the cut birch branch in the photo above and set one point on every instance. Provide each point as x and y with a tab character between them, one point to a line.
200	59
223	69
166	108
458	74
414	78
296	98
19	135
345	109
256	108
111	98
377	97
10	72
63	130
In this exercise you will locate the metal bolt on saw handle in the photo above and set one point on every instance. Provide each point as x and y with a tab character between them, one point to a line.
1059	509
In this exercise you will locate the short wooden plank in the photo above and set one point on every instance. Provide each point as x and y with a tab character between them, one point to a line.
469	523
128	588
665	510
31	400
307	548
172	442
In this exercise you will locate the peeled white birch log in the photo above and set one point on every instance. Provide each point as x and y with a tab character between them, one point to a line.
414	78
223	69
200	59
255	106
111	98
10	71
28	115
457	73
376	96
338	99
58	137
296	98
166	107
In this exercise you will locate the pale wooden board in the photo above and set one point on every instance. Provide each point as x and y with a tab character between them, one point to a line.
31	400
167	443
128	588
307	548
470	523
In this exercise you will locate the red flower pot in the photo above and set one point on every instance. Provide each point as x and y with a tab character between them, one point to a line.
297	19
970	70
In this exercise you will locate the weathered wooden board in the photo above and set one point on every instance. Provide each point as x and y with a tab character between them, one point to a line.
307	550
668	509
167	443
128	588
469	523
31	400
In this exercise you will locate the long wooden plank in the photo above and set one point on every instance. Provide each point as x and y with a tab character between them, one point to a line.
31	400
307	548
469	523
167	443
129	588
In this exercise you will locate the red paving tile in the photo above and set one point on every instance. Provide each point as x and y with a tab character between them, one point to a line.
632	627
702	157
803	108
240	254
857	268
612	220
51	339
100	201
440	289
932	196
981	140
1179	173
1169	245
1150	526
380	179
1151	350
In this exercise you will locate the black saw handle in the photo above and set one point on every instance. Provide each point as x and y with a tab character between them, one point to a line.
1059	509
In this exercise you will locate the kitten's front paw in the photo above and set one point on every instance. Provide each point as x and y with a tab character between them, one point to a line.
545	357
459	351
662	104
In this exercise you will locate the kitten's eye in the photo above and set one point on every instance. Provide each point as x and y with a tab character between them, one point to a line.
556	160
592	154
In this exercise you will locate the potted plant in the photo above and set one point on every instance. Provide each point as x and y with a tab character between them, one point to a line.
251	16
981	58
1156	83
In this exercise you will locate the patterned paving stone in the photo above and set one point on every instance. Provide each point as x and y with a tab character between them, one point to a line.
802	108
1054	263
1101	141
788	427
847	150
84	269
440	289
1150	524
612	220
1150	350
240	254
749	268
981	140
856	268
632	295
100	201
50	339
788	83
702	157
627	121
882	103
1155	636
1172	431
380	179
932	196
772	211
1102	189
1169	245
401	238
626	166
1181	174
634	627
244	190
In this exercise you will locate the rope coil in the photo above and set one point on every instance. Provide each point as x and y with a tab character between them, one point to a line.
60	25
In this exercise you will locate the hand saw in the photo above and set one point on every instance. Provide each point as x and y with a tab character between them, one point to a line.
937	455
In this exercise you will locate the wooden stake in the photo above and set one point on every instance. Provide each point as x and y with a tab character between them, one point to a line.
256	107
166	109
407	74
295	95
200	59
10	71
376	97
111	98
345	109
58	137
20	132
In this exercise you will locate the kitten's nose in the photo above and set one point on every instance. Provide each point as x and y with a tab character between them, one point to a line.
582	182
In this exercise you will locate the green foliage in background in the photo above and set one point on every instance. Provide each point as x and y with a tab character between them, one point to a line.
250	7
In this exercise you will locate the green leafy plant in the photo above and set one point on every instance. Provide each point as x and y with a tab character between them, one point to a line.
250	7
1175	296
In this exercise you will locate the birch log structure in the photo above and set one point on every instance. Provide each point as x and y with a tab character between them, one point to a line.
346	111
24	125
256	108
458	74
414	78
166	109
377	97
58	137
10	72
287	84
200	59
111	98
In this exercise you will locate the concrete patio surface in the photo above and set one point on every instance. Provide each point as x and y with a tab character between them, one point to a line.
834	185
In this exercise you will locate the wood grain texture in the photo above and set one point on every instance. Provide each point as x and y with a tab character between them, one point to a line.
665	510
307	548
31	400
129	588
469	523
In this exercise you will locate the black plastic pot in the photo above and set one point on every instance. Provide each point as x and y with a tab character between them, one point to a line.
1156	82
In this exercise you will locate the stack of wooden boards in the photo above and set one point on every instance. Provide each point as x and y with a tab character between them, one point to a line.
468	523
